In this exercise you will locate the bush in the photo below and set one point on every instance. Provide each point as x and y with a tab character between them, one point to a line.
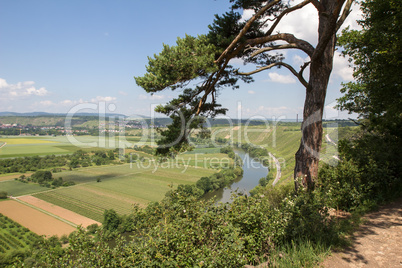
3	194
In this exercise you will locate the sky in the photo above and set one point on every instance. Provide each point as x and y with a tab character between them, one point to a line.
63	56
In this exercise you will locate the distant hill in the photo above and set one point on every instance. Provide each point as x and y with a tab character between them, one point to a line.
55	114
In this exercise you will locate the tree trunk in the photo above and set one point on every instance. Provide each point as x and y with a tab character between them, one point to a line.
307	157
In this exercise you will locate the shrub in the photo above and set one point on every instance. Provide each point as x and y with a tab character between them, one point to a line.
3	194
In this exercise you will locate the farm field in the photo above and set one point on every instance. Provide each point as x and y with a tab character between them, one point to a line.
17	188
11	176
36	221
13	236
30	146
58	211
45	145
120	187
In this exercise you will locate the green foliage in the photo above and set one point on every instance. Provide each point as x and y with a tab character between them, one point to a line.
3	194
111	220
15	240
182	112
42	176
180	231
266	180
375	50
174	66
368	175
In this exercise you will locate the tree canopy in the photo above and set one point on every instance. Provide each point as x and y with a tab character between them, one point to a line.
200	67
377	54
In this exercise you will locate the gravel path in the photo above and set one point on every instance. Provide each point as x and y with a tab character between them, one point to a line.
278	169
377	243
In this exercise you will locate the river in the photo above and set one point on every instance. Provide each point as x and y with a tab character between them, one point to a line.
253	171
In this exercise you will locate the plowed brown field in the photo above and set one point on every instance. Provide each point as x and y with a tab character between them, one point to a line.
36	221
58	211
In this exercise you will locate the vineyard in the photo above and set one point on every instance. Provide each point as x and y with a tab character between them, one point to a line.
14	236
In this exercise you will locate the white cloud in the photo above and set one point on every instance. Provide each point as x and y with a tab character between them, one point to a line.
47	103
251	92
20	90
103	99
123	93
299	61
247	14
283	79
303	23
341	67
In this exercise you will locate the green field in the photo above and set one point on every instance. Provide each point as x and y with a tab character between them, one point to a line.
13	236
120	187
45	145
17	188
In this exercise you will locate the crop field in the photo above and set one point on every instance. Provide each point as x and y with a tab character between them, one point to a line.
17	188
11	176
30	146
36	221
13	236
120	187
58	212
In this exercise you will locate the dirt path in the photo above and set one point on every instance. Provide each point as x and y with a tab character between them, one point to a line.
278	169
377	243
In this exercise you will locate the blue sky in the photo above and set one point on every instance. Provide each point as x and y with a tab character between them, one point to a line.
55	55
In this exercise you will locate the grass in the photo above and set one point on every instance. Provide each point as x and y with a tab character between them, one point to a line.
17	188
300	254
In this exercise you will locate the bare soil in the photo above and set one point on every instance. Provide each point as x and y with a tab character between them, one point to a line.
376	243
36	221
59	211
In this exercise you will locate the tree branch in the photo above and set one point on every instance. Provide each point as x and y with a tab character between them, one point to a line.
345	14
329	32
290	38
291	69
318	5
246	27
278	19
266	49
208	87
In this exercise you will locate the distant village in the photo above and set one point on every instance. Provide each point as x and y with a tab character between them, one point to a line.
118	126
